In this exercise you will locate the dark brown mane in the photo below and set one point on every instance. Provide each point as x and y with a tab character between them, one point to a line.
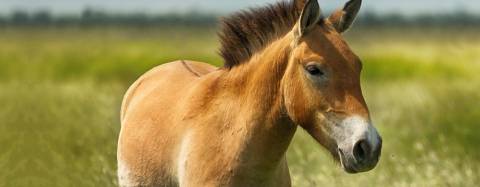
244	33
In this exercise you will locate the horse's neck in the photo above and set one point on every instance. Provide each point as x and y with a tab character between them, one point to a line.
260	80
258	88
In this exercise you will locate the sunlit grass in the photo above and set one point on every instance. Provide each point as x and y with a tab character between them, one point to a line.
58	134
61	89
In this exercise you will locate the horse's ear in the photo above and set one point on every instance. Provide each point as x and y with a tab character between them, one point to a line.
310	16
342	19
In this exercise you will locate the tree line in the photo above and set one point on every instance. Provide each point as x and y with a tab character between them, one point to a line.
91	17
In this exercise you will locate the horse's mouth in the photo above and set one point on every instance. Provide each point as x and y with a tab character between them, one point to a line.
353	166
349	168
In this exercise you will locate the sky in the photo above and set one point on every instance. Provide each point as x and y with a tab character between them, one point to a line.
407	7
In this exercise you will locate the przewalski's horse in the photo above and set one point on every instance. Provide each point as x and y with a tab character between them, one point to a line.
187	123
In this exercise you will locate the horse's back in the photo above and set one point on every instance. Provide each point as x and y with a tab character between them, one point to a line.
170	77
150	133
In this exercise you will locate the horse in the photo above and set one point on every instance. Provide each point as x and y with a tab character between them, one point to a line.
189	124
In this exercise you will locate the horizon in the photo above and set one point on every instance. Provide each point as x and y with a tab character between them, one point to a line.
71	7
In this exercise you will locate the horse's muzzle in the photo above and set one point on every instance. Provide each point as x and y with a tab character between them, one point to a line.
363	156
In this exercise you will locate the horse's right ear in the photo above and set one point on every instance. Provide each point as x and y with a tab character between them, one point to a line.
310	16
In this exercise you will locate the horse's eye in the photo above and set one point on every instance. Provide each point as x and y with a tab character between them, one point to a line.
314	70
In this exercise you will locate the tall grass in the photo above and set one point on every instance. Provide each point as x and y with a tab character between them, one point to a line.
61	89
58	134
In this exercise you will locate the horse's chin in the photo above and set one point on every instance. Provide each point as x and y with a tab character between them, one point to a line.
339	159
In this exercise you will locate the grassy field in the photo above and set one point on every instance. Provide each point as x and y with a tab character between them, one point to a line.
61	89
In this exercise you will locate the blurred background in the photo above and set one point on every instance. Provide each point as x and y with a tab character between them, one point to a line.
65	65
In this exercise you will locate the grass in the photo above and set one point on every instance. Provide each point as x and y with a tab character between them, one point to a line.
61	89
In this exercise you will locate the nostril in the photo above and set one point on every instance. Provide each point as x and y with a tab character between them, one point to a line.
361	150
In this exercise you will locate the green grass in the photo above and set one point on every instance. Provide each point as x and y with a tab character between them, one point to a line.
58	134
61	90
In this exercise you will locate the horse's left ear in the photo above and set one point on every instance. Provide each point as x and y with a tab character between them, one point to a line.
342	19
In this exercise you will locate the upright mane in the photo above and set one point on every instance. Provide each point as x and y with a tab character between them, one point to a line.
246	32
